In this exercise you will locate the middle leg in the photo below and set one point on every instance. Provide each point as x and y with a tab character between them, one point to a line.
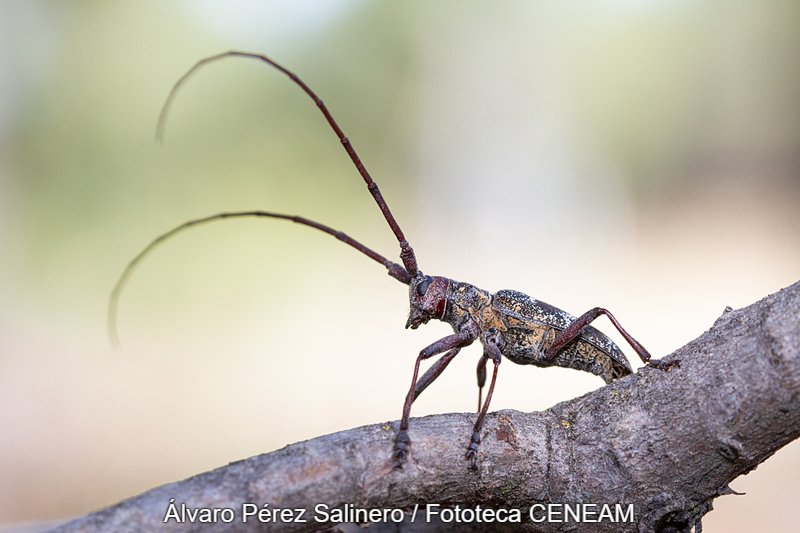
493	352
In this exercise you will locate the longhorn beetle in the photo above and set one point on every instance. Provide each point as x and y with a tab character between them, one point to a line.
507	323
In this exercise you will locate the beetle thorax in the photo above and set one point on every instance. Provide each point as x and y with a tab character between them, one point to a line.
466	301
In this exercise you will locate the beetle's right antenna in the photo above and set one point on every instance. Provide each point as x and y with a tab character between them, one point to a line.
406	252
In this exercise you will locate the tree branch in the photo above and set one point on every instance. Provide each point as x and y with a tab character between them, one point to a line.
666	442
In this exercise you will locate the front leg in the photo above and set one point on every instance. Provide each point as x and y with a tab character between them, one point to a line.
574	330
451	344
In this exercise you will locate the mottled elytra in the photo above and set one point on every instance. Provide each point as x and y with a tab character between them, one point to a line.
507	323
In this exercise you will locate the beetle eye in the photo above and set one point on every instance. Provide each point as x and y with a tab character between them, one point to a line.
422	288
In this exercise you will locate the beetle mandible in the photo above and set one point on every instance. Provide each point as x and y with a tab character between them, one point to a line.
507	323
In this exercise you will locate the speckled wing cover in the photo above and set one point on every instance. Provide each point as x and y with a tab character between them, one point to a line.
532	326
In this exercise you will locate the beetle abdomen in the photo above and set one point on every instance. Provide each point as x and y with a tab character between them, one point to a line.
531	328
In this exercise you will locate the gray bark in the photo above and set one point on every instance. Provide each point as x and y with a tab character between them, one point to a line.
666	442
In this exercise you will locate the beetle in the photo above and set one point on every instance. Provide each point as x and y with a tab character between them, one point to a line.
507	324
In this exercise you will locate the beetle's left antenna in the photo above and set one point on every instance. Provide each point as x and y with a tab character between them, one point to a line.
395	270
406	252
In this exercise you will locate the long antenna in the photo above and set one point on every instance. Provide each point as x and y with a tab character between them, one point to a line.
395	270
406	252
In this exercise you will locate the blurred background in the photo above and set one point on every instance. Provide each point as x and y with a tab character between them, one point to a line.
641	155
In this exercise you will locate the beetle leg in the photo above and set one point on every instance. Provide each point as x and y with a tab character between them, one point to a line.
482	377
472	450
433	372
574	330
451	343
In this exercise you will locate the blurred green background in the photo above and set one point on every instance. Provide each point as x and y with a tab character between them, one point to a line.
641	155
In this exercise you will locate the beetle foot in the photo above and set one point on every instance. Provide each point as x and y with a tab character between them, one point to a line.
664	365
401	443
472	450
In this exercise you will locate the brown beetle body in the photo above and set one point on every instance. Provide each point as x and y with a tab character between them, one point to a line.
527	327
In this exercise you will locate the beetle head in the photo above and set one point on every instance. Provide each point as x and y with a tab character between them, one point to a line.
428	299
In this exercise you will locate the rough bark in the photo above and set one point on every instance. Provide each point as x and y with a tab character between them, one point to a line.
666	442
